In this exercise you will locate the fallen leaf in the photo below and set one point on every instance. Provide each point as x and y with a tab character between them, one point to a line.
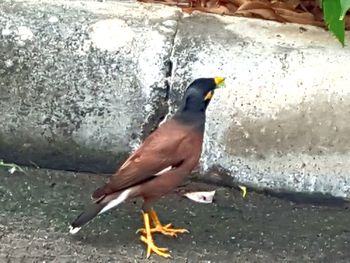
243	189
259	9
201	197
231	7
282	5
268	14
12	170
292	11
294	3
251	5
295	17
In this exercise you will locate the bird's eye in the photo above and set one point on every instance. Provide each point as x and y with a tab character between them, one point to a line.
209	95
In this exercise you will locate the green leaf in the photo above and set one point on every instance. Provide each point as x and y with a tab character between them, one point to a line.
332	13
344	6
11	167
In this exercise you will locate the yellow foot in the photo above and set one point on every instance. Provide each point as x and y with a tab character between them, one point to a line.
165	230
148	240
151	247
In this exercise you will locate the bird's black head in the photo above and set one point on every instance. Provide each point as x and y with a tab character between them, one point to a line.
199	93
196	100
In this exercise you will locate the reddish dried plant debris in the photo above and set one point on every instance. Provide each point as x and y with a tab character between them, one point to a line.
292	11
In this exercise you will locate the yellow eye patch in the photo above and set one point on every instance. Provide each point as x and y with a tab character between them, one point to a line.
209	95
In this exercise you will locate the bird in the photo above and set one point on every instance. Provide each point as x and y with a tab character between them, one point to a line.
158	166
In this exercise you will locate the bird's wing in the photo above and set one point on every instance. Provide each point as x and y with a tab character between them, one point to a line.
158	153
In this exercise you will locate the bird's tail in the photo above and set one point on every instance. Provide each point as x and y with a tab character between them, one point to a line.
85	217
100	207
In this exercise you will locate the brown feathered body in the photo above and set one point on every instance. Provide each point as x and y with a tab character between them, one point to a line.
160	164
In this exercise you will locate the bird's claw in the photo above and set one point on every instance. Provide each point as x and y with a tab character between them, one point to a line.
165	230
168	231
151	247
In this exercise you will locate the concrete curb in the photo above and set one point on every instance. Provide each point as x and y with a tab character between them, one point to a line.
281	123
81	82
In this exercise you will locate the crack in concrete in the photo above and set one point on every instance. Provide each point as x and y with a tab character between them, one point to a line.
171	71
164	109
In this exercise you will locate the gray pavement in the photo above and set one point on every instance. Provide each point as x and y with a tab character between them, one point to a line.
82	83
36	209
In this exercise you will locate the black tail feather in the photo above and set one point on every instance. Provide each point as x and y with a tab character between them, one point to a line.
107	202
87	215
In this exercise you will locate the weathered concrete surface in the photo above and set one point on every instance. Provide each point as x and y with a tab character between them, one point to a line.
36	209
282	121
81	82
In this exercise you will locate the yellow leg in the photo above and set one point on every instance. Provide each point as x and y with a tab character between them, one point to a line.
148	239
159	228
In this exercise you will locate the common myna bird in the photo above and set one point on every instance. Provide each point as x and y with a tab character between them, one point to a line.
161	164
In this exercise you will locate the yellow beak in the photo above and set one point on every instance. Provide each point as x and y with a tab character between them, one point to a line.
219	80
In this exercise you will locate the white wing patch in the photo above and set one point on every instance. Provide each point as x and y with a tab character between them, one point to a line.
125	165
164	171
121	198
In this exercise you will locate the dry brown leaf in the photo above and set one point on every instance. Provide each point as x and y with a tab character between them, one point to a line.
295	11
211	4
347	23
283	6
258	9
296	20
220	10
294	17
268	2
201	197
268	14
294	3
238	2
250	5
310	3
306	16
188	10
231	7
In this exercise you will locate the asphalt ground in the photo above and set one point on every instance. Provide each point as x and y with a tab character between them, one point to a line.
37	207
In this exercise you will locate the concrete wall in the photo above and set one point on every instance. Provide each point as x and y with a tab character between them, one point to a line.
283	119
82	83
